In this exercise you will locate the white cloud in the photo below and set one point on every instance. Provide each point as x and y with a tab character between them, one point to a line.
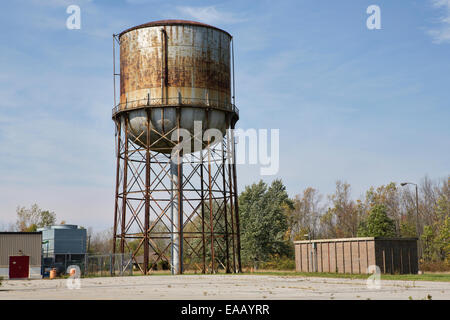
139	1
442	33
208	14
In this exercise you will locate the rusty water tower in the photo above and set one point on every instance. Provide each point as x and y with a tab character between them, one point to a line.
176	86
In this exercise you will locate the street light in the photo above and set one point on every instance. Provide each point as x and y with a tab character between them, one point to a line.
417	204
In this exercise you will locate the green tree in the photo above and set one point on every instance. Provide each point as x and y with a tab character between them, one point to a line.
443	237
29	220
436	237
377	224
263	220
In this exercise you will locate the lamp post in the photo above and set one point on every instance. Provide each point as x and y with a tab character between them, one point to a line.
417	204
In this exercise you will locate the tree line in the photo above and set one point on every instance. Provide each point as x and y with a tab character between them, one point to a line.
271	221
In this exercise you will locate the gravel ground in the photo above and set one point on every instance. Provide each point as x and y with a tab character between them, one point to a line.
237	287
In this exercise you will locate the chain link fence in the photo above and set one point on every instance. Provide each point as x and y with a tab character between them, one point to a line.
90	265
108	265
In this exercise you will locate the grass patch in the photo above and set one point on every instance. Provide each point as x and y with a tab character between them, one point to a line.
443	277
405	277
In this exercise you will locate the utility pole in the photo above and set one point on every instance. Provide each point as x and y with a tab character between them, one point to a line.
417	204
417	214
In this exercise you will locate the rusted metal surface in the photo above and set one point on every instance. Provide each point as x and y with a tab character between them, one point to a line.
171	22
198	65
173	65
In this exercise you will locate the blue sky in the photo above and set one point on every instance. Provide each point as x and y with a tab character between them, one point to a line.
365	106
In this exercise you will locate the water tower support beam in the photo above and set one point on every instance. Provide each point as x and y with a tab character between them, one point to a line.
202	199
124	189
116	203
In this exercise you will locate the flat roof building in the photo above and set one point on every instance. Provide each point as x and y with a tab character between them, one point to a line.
356	255
20	254
63	245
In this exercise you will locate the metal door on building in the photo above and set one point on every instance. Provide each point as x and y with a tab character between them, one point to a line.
19	267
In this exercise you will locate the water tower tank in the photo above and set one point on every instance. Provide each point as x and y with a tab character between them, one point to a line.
172	64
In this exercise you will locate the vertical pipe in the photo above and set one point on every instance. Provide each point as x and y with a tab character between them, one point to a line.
202	199
147	196
176	208
180	196
232	62
230	182
114	68
116	203
236	202
180	217
227	250
176	221
174	217
124	188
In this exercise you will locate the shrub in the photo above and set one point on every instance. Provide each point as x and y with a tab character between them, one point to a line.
163	265
279	263
435	266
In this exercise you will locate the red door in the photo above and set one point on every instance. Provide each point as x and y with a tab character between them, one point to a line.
19	267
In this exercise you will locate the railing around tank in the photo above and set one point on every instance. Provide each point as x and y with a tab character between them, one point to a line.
173	102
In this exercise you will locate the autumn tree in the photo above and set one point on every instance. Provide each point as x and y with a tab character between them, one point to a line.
343	213
29	220
304	218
